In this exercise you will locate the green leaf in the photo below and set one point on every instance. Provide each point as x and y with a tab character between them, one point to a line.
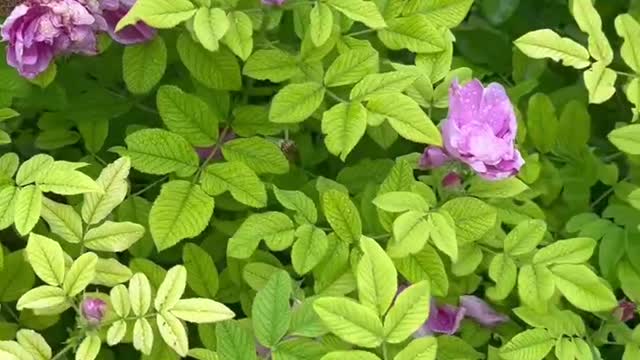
414	33
425	265
89	348
342	215
173	333
237	178
299	202
406	117
571	251
8	197
143	336
160	152
33	169
239	36
201	311
350	321
160	14
408	313
419	349
351	66
589	22
94	133
234	342
120	301
350	354
385	83
524	238
626	138
321	23
629	29
365	12
309	249
27	209
532	344
507	188
171	289
113	181
344	125
14	351
535	286
81	273
116	332
109	272
443	234
447	13
270	312
16	277
202	275
42	297
296	102
503	271
546	43
7	113
140	294
63	220
410	233
269	225
64	180
542	122
377	277
143	65
35	344
209	26
260	155
600	81
181	211
582	288
274	65
473	218
46	258
218	70
401	201
187	115
56	139
113	237
202	354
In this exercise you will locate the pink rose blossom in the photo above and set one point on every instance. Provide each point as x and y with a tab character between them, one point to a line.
273	2
93	310
443	319
481	312
112	11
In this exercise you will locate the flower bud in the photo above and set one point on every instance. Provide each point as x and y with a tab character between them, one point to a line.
93	310
452	180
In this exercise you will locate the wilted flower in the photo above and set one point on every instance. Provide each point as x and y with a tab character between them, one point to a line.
481	312
93	310
113	11
452	180
625	311
443	319
38	30
273	2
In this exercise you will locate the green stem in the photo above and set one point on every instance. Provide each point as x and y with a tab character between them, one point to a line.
335	97
11	313
622	73
146	188
362	32
62	352
385	351
216	149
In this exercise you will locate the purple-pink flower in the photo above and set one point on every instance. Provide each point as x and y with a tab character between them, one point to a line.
39	30
433	157
452	180
443	319
93	310
112	11
479	131
478	310
273	2
625	311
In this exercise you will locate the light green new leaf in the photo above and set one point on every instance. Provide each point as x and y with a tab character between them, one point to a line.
209	26
447	13
507	188
237	178
271	225
419	349
270	313
202	275
89	348
113	181
524	238
218	70
116	332
406	117
532	344
473	218
274	65
187	115
600	81
351	66
171	289
9	163
296	102
350	354
582	288
109	272
503	271
589	21
143	65
8	197
629	29
81	273
173	333
377	277
627	138
162	14
181	211
350	321
410	233
8	113
344	125
239	36
27	209
385	83
35	344
32	169
262	156
546	43
113	236
425	265
299	202
309	249
63	179
160	152
321	24
408	313
46	258
42	297
202	354
139	294
571	251
120	301
342	215
443	234
401	201
201	311
63	220
365	12
415	33
143	336
536	286
11	350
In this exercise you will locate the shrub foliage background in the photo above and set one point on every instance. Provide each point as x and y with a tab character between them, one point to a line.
261	162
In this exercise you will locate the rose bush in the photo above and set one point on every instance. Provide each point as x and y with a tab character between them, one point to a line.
322	180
